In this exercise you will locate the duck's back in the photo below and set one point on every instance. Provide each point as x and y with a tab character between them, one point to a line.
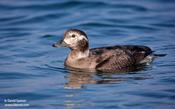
120	57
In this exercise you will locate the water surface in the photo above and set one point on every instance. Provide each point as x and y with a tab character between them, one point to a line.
31	70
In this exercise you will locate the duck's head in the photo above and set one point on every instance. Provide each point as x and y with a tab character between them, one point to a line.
74	39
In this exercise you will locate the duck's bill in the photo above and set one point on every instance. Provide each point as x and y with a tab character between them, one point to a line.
60	44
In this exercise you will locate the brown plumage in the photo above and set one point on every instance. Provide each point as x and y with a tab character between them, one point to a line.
120	57
105	58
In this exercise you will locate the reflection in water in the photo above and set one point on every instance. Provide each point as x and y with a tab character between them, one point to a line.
78	78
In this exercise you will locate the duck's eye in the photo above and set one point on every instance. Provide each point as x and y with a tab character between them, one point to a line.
73	36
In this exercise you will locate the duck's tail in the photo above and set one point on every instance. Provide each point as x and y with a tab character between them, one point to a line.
148	59
159	55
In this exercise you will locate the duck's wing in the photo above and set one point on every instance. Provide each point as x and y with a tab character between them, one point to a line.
117	59
139	53
120	57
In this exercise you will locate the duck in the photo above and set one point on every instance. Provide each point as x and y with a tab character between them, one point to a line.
118	57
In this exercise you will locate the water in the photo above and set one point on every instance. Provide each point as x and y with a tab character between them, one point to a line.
31	70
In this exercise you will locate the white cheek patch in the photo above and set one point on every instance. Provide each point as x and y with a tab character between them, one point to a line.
68	41
71	41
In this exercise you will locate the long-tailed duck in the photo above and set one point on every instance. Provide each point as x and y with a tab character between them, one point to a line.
117	57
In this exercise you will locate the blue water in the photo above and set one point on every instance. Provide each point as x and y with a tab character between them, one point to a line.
32	70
